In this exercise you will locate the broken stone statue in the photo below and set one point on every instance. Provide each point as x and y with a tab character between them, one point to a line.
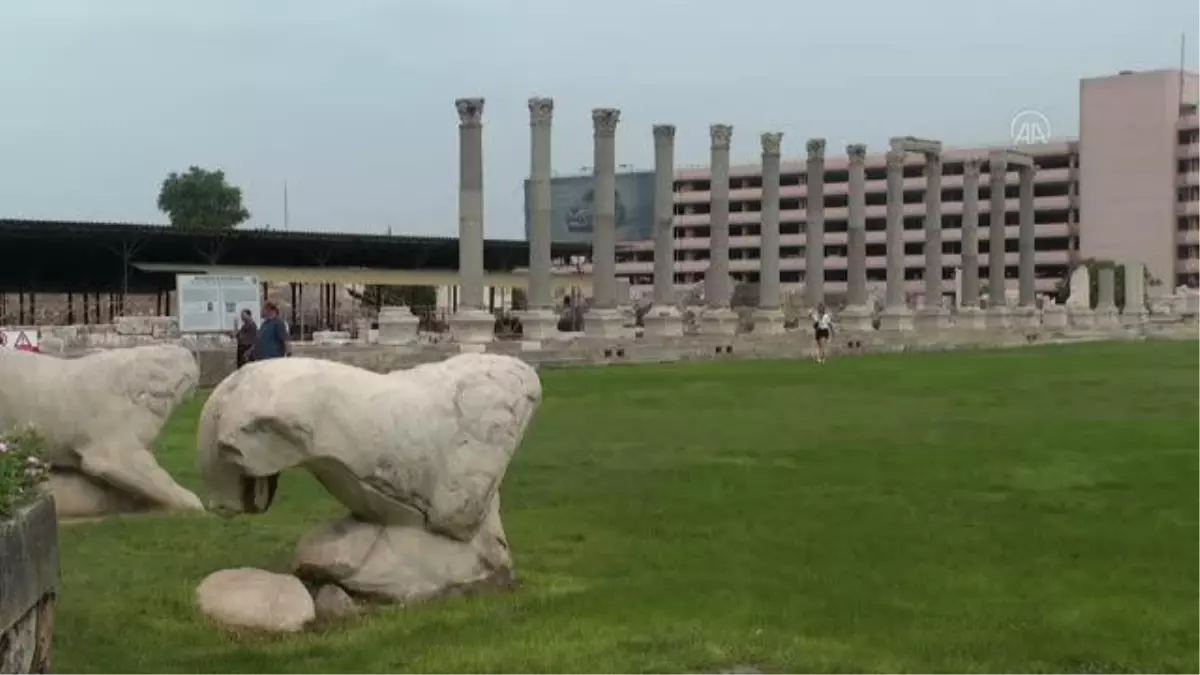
99	415
416	456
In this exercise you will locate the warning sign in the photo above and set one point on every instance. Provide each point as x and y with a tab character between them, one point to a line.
26	341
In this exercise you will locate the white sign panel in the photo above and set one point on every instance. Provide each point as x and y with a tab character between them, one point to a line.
24	340
211	303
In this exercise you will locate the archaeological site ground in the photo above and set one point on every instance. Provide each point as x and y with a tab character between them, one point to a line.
997	510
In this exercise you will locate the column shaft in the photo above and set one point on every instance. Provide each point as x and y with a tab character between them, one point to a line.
470	201
856	229
895	228
933	231
664	215
717	287
996	295
970	234
814	229
604	209
541	111
1025	265
1106	291
768	277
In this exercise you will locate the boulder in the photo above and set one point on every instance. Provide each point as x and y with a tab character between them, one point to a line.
78	496
100	415
256	599
333	602
417	457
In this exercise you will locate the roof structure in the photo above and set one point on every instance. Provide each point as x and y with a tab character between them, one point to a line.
60	257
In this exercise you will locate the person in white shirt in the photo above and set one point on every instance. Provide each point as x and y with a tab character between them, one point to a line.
822	330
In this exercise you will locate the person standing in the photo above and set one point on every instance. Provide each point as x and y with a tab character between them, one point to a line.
822	330
272	341
245	335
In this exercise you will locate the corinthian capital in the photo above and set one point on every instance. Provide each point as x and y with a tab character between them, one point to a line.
896	157
470	111
664	131
771	141
604	120
541	110
971	166
721	135
857	152
816	148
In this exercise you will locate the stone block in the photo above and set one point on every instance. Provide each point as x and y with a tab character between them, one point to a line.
538	324
896	319
472	326
604	324
719	321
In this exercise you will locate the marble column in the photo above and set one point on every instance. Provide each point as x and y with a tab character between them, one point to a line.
969	315
933	315
664	319
1026	311
603	320
719	319
814	228
471	323
1106	298
858	310
1134	313
540	321
896	314
997	313
769	317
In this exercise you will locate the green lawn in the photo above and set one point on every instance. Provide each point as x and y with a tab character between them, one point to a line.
1007	511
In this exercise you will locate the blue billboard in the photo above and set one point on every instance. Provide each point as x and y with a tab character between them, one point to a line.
571	207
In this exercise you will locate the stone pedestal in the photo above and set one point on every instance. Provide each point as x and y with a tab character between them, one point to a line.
538	324
718	321
1107	317
932	318
1054	317
1026	318
604	324
970	318
663	322
1133	319
856	318
472	326
331	337
362	330
1081	317
397	326
896	319
769	322
998	318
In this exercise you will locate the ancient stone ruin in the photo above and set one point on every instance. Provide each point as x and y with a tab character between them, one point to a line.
416	456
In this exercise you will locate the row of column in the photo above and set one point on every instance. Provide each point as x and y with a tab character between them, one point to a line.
604	318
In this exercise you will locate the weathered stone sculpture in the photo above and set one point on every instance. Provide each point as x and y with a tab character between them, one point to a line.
417	456
1079	300
100	415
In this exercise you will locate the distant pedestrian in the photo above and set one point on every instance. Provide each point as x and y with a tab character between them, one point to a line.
822	330
272	341
246	334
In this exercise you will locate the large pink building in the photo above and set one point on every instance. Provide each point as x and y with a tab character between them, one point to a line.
1126	190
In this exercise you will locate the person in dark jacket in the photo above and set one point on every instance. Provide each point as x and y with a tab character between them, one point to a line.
273	341
245	334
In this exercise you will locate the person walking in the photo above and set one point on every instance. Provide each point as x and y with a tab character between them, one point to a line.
822	330
245	334
272	341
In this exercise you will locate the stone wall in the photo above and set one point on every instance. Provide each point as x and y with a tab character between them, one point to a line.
28	588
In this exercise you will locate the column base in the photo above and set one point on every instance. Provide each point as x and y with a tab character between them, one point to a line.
397	326
538	324
605	324
1080	316
769	322
662	322
1026	317
473	326
1133	319
896	319
1107	317
932	318
971	318
856	318
1055	317
718	321
998	318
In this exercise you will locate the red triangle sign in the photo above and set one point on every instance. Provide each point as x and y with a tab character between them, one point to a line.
22	342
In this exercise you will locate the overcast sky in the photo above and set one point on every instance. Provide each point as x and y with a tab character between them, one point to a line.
352	101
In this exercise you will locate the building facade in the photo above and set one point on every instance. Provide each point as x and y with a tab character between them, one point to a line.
1126	190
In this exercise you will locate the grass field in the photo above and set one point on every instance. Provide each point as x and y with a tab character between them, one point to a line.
1008	511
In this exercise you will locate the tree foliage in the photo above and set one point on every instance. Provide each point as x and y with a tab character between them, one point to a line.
202	200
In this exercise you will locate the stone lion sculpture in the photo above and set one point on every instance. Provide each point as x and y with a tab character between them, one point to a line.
100	415
416	456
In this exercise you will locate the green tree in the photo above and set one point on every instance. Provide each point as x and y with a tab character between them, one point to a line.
202	200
